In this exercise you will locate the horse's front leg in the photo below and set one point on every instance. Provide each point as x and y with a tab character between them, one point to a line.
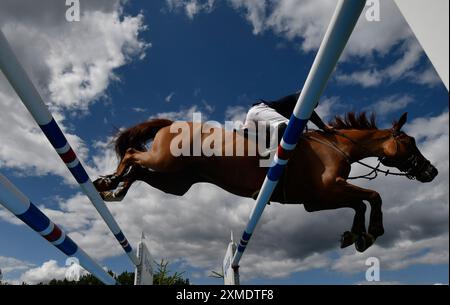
346	191
358	229
348	238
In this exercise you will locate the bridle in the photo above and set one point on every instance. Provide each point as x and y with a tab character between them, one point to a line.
408	168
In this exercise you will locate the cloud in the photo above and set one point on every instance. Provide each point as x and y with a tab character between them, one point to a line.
304	22
72	64
404	68
391	104
366	79
327	108
186	114
10	264
406	253
139	109
236	113
24	147
208	107
428	77
44	274
31	274
428	128
255	12
191	7
169	98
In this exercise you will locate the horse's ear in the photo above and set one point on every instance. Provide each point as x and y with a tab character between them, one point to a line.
399	124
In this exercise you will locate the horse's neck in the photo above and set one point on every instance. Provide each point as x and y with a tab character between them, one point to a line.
364	143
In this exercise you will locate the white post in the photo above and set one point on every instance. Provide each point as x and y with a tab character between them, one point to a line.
230	274
143	274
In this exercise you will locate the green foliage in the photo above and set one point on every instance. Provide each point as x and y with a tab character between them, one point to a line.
163	277
125	278
87	279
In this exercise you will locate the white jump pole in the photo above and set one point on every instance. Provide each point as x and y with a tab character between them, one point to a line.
341	26
16	202
32	100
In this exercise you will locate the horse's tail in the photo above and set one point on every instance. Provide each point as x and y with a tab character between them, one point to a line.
136	136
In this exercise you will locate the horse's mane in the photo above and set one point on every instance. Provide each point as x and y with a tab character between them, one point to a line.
352	120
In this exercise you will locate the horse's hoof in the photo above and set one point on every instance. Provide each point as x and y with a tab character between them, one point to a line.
111	197
363	242
348	239
106	183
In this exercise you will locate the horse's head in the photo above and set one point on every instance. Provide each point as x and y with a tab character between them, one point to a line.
401	151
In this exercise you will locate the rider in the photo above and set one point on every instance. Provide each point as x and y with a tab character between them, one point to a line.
277	113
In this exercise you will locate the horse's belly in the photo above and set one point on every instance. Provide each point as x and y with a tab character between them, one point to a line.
238	175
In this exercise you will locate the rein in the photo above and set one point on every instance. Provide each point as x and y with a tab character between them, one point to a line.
374	169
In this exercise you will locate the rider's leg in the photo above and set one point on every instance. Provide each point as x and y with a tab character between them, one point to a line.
263	114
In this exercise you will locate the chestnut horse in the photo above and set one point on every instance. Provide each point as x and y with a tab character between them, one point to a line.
316	175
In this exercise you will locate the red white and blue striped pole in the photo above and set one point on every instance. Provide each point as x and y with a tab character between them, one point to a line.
32	100
16	202
341	26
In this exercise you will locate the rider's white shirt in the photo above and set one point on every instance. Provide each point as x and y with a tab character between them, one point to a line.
263	113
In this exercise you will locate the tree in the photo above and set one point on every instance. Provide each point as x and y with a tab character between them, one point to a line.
163	277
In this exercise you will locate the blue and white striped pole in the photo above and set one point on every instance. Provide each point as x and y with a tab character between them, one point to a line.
16	202
32	100
341	26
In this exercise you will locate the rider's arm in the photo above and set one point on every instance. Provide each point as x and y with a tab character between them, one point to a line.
316	120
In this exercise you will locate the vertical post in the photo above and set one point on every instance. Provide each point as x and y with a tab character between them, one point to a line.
143	273
16	202
341	26
230	274
32	100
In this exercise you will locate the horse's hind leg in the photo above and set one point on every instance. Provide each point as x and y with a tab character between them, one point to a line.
135	159
119	193
123	185
175	183
111	182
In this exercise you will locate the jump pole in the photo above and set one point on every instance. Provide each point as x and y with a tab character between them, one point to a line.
16	202
341	26
33	101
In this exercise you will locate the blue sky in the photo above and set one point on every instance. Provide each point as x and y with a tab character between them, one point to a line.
170	58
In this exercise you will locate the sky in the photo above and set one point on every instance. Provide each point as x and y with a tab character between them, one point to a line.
127	61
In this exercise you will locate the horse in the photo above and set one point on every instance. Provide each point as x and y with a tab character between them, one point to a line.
316	175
